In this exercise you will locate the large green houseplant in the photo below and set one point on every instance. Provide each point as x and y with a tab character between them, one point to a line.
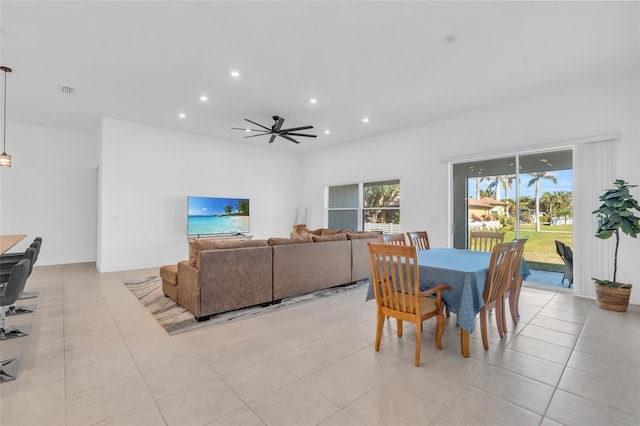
616	214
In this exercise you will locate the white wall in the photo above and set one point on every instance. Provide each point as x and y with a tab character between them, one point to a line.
146	174
418	155
51	191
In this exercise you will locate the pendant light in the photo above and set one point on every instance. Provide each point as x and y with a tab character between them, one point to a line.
5	159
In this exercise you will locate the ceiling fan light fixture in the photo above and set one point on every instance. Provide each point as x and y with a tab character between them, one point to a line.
5	159
276	130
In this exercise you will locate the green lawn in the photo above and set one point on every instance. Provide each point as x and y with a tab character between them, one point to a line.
540	251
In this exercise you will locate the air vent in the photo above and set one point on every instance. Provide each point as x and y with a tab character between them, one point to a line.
67	90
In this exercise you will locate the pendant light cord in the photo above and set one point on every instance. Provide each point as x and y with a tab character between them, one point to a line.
4	118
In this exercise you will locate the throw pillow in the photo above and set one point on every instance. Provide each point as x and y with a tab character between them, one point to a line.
335	237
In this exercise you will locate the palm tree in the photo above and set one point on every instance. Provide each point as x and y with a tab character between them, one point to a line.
535	180
478	190
505	181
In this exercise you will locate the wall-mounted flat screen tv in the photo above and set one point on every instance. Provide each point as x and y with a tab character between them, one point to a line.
216	215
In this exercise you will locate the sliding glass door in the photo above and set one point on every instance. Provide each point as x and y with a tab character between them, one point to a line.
528	195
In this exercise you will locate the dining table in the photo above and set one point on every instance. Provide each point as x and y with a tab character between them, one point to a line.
465	271
8	241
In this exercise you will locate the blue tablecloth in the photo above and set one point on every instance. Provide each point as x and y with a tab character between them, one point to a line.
465	271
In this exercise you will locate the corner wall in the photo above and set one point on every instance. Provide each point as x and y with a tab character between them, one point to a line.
146	174
51	191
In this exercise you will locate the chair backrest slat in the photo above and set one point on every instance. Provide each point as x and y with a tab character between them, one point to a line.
395	270
484	241
500	272
397	239
517	259
419	239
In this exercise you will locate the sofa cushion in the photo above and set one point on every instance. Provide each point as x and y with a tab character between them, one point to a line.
326	232
202	244
362	235
300	239
335	237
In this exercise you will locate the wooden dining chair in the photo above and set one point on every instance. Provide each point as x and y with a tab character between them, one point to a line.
485	241
397	239
513	290
396	286
498	279
419	239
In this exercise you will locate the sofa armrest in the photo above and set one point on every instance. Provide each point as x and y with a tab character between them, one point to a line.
189	287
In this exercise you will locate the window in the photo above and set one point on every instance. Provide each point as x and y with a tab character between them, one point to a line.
369	206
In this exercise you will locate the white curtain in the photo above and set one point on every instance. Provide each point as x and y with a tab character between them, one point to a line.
595	168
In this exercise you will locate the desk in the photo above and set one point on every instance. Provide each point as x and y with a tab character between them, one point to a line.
465	271
8	241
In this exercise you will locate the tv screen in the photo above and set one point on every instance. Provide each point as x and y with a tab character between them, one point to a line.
215	215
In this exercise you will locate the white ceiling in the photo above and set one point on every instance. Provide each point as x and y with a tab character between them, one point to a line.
389	61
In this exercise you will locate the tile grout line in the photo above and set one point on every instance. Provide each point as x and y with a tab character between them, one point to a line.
564	367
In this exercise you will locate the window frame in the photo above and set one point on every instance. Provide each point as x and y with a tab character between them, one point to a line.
360	209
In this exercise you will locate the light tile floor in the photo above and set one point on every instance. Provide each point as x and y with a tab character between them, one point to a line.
96	357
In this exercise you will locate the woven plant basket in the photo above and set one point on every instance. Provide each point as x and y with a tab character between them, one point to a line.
612	298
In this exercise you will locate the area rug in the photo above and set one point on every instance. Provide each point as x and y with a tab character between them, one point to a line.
175	319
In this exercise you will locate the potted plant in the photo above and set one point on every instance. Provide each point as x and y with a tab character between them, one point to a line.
616	214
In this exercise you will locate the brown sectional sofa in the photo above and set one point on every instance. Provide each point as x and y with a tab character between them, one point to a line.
223	275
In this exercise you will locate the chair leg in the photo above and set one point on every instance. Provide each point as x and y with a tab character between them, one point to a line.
11	332
439	330
19	310
483	328
379	325
399	323
503	315
514	298
9	369
500	317
28	295
446	309
417	345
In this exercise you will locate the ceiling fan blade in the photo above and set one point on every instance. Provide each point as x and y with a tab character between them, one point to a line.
278	125
272	138
299	134
250	130
294	129
257	124
288	138
257	134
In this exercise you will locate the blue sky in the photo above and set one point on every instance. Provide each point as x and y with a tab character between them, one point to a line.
201	206
564	178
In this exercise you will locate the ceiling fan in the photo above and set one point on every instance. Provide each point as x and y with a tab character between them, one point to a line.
277	130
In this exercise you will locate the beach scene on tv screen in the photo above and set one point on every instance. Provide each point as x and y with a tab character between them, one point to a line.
213	215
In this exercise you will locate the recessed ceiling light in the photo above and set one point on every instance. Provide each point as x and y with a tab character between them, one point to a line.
313	100
451	38
235	73
365	120
204	98
182	115
326	132
247	130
